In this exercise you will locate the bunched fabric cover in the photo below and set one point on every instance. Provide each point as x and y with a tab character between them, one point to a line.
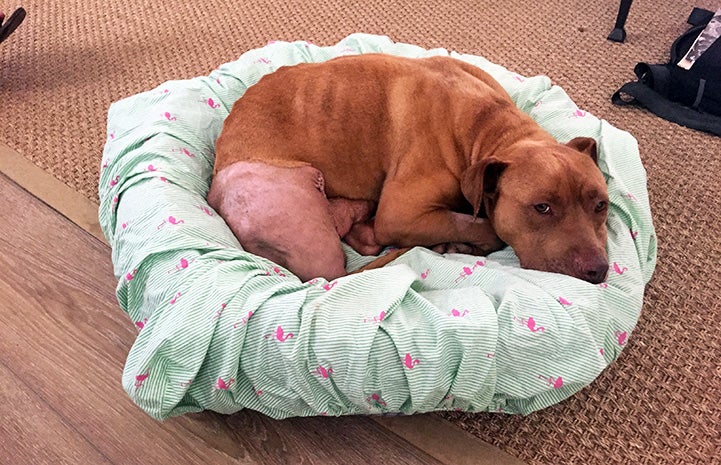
223	330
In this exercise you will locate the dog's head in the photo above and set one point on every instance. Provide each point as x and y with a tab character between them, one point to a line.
549	202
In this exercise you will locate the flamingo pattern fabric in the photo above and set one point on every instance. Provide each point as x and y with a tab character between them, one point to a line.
221	329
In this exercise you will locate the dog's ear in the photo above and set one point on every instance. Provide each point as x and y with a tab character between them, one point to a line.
585	145
479	184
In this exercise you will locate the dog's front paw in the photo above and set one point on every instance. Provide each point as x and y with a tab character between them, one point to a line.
454	247
476	248
486	247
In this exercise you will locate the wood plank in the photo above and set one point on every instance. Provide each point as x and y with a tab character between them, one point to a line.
445	441
64	335
354	440
32	432
75	206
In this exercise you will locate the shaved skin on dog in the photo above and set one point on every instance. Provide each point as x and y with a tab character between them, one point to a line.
377	150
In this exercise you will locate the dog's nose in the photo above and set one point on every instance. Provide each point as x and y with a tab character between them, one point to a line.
595	272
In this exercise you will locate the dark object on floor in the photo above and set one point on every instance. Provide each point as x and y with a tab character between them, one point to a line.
12	23
690	94
619	33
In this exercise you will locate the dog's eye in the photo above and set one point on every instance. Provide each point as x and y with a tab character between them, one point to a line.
543	208
601	206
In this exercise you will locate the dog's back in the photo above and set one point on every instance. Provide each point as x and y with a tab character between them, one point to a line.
353	117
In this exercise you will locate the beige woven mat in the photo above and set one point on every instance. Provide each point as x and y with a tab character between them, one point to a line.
660	403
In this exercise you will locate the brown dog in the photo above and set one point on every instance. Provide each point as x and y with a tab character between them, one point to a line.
427	144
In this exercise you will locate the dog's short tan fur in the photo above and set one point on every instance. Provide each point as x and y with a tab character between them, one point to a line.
432	142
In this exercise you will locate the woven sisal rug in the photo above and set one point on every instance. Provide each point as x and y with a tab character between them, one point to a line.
660	403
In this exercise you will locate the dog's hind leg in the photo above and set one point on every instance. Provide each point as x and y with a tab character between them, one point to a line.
354	223
280	213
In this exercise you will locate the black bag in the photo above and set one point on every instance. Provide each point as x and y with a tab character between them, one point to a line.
691	98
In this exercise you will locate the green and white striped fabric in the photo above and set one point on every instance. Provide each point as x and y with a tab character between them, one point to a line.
223	330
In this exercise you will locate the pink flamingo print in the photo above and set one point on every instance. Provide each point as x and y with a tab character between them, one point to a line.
116	199
124	225
377	400
577	113
112	135
622	337
459	314
163	179
140	379
467	271
186	383
601	351
175	298
170	220
212	103
490	355
530	323
141	324
152	168
206	210
630	196
183	264
425	274
218	312
185	152
131	275
330	285
323	372
169	117
410	362
634	234
114	182
278	271
618	269
564	302
280	335
243	320
557	383
275	270
223	385
376	319
519	78
603	285
105	165
258	392
263	61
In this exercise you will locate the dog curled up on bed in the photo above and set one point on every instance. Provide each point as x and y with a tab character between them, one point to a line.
379	150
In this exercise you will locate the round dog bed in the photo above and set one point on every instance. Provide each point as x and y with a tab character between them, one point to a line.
222	329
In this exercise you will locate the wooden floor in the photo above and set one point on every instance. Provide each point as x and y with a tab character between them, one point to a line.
63	342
